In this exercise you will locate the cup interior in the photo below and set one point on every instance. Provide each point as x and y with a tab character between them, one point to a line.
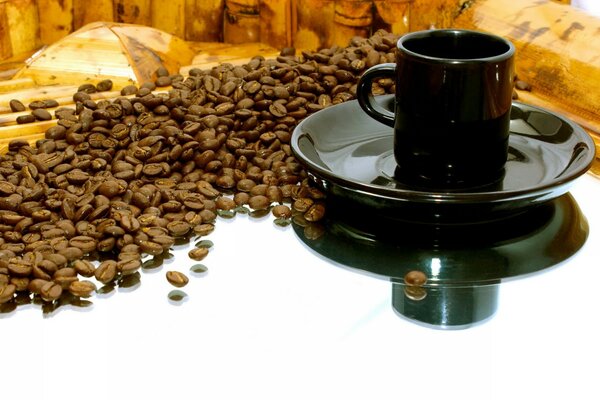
456	45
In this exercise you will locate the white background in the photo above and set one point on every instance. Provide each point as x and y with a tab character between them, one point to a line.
272	320
591	6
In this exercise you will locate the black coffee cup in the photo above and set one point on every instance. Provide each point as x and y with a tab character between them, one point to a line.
452	110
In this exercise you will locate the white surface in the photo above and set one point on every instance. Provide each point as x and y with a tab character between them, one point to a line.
271	320
591	6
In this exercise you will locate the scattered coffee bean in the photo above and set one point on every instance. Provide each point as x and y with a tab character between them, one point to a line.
415	278
281	211
16	106
123	178
25	119
106	271
177	278
198	253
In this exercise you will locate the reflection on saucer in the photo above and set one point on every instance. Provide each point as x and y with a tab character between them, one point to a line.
464	264
349	155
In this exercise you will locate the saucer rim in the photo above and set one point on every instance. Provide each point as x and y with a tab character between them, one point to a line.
440	196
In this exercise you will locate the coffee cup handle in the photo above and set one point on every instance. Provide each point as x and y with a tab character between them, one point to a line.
365	96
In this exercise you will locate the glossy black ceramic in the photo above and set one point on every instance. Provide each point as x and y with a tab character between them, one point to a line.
464	264
453	100
349	155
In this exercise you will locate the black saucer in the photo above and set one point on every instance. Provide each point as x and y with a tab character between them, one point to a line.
350	156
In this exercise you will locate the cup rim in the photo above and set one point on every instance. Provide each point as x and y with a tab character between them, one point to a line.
456	32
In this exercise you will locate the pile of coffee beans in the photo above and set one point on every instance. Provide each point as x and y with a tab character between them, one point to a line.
116	180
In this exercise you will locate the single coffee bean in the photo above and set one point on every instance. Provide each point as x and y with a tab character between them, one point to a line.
86	244
128	267
35	285
82	288
415	278
7	293
259	202
71	253
25	119
315	213
151	247
65	276
16	106
84	268
106	271
178	228
198	254
177	278
303	204
50	291
281	211
225	203
104	85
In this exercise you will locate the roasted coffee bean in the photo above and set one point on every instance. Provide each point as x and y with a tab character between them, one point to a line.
106	271
303	204
16	106
204	229
41	114
65	276
18	267
50	291
128	267
315	213
86	244
177	279
178	228
104	85
25	119
132	174
84	268
415	278
151	247
82	288
281	211
35	285
259	202
225	203
7	293
198	254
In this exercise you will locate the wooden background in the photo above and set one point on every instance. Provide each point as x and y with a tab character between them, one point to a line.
26	25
